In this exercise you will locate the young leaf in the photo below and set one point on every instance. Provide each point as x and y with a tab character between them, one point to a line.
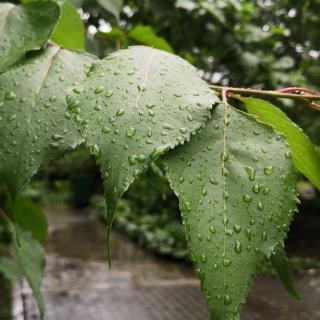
146	35
135	105
304	154
10	269
281	264
236	189
30	259
69	32
24	28
31	218
113	6
35	127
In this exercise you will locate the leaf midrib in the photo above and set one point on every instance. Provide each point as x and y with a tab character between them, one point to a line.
224	190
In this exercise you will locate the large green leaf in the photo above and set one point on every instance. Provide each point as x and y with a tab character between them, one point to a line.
24	28
34	125
30	258
236	189
113	6
135	105
69	32
30	217
146	35
304	154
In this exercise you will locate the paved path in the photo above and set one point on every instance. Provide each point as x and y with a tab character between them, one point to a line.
79	286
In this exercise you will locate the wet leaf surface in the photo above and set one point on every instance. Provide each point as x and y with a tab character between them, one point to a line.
236	188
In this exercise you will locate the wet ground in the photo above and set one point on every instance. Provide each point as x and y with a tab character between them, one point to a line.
78	284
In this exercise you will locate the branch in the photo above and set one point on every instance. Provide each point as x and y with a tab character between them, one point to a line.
303	94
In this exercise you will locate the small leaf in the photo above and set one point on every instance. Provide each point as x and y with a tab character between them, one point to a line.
10	269
24	28
35	127
304	155
31	218
135	105
281	264
146	35
30	259
237	194
69	33
113	6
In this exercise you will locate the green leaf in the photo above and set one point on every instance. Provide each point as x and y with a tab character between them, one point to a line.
24	28
135	105
146	35
10	269
304	154
70	31
237	195
30	217
30	259
281	265
35	127
113	6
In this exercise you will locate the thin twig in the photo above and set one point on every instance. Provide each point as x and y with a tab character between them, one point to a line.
269	93
303	94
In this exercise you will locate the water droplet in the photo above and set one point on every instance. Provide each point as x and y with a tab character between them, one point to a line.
120	112
227	300
12	117
105	129
131	131
266	191
188	205
98	90
57	137
251	173
190	117
264	236
237	247
260	206
249	234
141	87
224	156
288	154
204	258
10	95
256	188
226	262
183	130
108	94
95	150
247	198
183	106
268	170
237	228
212	230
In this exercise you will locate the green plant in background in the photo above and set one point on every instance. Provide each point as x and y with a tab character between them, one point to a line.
232	172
